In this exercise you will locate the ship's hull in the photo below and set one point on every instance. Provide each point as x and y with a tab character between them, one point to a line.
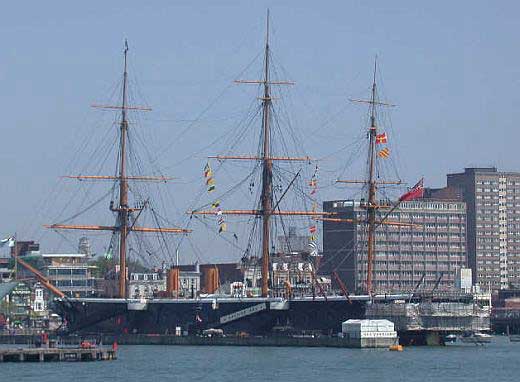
271	316
255	316
506	321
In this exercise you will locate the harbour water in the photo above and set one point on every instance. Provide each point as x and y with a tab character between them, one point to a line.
498	361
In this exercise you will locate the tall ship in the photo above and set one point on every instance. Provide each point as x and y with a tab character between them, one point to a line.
302	301
267	310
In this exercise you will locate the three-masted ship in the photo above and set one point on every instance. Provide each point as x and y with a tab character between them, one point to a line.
320	311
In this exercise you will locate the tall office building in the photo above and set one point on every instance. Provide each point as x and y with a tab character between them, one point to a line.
431	247
493	213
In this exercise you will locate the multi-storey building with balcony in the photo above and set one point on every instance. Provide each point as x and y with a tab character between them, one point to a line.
493	239
429	249
71	273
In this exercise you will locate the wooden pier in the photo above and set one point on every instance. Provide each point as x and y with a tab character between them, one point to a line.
57	355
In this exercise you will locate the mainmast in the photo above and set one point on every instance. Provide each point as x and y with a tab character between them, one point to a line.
267	176
266	210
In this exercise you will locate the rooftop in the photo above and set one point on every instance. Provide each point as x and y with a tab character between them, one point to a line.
484	171
6	288
55	255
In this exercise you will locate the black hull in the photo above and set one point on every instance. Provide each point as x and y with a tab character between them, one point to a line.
253	316
506	321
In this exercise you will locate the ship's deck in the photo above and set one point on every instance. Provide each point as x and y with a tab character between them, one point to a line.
227	299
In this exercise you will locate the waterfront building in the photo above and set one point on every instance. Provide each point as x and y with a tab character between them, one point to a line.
29	251
71	273
25	248
293	269
84	246
288	270
39	314
252	275
153	284
506	311
189	280
227	274
39	303
23	306
15	303
293	243
145	285
297	272
6	274
6	271
429	250
464	280
493	225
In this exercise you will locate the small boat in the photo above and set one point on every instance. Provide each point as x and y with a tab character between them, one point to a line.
450	339
396	348
476	338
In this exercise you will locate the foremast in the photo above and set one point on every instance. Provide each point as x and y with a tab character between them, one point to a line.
124	211
267	169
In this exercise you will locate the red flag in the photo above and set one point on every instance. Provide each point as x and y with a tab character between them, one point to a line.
381	138
415	192
207	170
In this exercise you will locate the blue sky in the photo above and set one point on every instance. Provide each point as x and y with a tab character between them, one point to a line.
451	67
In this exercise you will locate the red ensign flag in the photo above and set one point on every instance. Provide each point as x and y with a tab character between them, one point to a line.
415	192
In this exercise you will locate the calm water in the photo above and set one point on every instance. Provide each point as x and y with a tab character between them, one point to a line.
499	361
